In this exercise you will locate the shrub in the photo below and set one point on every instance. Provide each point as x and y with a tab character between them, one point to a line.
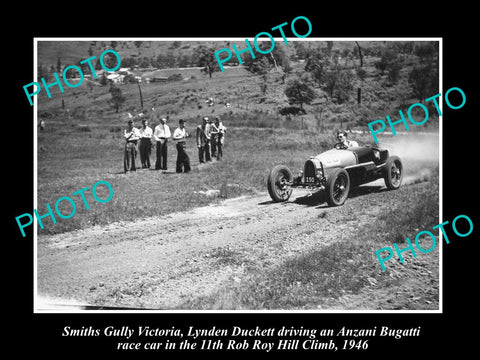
84	128
292	110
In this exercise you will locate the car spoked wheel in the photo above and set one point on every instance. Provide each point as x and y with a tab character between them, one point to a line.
338	187
279	183
393	173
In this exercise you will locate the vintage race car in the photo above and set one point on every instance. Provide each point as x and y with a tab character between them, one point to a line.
336	171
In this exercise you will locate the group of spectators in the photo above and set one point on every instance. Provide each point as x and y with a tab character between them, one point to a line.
210	136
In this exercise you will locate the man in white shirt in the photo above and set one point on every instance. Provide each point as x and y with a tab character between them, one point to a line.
131	135
221	137
343	143
161	135
145	146
203	140
213	138
179	135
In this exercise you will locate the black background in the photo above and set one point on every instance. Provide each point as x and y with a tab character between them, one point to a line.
41	333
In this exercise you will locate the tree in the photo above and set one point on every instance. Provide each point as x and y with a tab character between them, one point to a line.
329	47
394	71
144	62
42	72
423	81
360	55
361	73
387	60
331	77
103	80
343	86
259	65
299	92
175	45
140	94
117	97
206	58
317	66
301	51
427	52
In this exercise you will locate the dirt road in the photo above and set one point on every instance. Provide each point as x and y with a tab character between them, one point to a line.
159	263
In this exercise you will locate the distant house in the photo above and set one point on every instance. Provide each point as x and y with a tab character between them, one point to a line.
116	78
159	79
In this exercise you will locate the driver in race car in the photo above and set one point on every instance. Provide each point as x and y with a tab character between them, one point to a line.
343	143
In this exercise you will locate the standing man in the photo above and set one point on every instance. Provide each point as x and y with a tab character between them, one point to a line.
161	135
221	137
213	137
145	147
131	135
179	135
203	141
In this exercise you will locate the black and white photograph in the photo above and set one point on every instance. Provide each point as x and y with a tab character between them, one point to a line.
225	180
288	177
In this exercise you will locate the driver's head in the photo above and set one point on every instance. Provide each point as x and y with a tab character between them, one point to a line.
341	135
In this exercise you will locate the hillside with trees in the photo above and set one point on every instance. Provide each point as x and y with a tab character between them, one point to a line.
305	84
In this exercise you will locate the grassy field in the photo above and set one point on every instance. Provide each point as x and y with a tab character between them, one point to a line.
68	163
83	142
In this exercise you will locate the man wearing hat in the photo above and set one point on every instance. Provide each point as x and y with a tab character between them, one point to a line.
131	135
203	141
179	135
161	135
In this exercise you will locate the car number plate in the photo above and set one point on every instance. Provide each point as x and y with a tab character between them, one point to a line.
310	179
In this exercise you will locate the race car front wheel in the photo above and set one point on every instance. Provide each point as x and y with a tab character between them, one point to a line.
338	187
278	183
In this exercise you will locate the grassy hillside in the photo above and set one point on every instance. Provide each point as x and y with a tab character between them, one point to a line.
255	99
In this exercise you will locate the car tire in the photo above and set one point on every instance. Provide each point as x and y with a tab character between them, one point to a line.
338	187
393	173
276	183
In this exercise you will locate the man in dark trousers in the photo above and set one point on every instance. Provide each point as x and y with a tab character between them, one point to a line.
161	135
145	146
203	141
213	138
179	135
131	135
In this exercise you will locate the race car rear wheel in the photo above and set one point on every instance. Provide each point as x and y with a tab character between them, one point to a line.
278	183
393	173
338	187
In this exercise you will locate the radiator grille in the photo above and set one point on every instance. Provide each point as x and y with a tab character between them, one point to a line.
309	170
